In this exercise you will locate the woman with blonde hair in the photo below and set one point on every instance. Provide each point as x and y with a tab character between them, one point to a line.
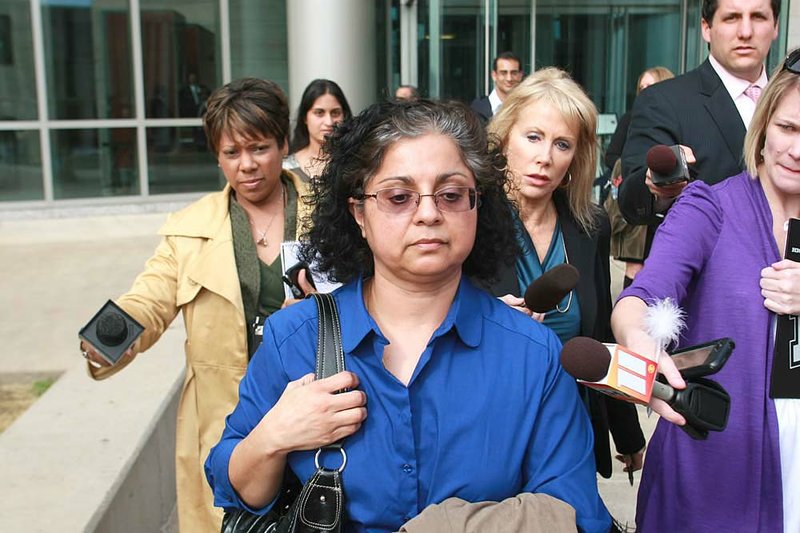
546	130
720	244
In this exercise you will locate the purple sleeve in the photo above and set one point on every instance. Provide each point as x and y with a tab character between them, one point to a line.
681	247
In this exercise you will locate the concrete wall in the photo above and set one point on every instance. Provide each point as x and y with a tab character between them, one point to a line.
87	456
97	456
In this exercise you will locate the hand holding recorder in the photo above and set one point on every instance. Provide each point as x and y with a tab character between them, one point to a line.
621	373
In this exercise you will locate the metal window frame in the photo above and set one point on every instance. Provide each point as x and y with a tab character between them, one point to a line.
45	125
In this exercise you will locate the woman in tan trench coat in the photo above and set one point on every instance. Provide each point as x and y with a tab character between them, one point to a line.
219	263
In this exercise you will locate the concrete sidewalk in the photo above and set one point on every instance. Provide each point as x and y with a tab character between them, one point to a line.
56	272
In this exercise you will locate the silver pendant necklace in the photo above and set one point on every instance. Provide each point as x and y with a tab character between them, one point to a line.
566	261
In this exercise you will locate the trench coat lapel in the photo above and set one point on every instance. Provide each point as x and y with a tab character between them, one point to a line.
214	266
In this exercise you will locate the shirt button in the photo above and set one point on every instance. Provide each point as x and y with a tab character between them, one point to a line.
407	468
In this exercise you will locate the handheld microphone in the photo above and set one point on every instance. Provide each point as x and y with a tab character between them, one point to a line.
111	331
703	403
667	165
551	287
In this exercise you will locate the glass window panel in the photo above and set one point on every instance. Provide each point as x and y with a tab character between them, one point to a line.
88	59
462	51
17	77
179	161
514	31
94	162
259	45
20	166
180	55
653	28
450	48
605	46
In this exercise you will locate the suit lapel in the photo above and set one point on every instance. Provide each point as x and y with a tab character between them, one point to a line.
722	110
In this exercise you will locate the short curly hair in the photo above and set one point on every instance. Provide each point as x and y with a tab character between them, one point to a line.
355	151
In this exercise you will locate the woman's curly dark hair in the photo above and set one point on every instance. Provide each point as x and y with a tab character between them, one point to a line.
355	151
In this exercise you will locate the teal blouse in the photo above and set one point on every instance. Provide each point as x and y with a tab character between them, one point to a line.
565	319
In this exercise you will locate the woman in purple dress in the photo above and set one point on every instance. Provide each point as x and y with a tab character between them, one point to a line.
719	255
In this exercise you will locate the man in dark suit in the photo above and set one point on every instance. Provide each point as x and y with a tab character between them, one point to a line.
506	74
192	97
706	110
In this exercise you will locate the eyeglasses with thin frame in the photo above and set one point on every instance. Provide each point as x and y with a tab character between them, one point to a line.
792	63
399	201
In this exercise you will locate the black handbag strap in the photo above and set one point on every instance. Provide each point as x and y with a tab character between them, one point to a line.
330	356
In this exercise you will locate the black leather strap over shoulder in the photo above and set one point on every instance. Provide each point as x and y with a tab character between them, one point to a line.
319	505
330	356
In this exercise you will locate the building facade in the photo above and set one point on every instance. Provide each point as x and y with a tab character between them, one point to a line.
100	99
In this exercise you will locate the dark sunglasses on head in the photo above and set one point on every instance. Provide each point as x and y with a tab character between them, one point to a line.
792	63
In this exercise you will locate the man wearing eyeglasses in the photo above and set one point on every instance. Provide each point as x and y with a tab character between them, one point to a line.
706	111
506	74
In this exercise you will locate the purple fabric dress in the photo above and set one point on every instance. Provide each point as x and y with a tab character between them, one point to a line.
708	255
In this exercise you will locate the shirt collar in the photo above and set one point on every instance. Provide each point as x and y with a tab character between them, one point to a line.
495	102
736	86
465	315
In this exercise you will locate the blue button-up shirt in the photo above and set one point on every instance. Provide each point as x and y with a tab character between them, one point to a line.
488	413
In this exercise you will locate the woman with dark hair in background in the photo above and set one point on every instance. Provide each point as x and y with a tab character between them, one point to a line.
219	263
322	106
451	392
546	129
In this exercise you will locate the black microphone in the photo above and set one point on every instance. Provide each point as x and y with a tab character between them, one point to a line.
703	403
667	165
551	287
111	331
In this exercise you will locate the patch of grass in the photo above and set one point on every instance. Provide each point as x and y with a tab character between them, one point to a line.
40	387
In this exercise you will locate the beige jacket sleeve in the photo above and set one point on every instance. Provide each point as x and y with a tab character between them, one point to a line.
152	301
532	513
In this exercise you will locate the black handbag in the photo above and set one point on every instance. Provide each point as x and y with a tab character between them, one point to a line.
317	506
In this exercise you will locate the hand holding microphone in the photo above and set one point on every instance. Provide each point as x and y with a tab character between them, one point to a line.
667	170
551	287
545	292
109	336
703	403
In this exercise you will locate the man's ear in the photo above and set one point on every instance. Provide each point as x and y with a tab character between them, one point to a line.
705	30
285	148
356	208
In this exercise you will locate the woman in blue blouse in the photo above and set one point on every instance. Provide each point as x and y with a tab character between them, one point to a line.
546	128
452	392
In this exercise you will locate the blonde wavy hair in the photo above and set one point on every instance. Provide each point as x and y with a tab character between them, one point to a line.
555	87
781	82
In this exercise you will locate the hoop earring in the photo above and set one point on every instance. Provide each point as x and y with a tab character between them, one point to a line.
565	184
